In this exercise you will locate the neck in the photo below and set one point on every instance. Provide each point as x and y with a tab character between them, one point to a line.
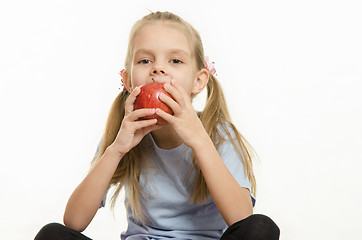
166	137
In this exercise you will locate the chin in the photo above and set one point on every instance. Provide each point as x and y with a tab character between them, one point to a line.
162	123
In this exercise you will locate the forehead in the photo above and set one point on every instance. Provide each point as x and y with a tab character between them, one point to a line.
160	37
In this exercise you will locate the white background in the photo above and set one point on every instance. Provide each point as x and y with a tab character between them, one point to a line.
291	71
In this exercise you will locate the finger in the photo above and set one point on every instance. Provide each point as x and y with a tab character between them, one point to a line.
175	93
131	99
151	128
182	96
139	113
144	123
170	102
166	116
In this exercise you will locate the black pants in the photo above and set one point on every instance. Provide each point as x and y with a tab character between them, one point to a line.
254	227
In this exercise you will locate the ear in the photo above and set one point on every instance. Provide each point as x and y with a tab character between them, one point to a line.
202	78
126	81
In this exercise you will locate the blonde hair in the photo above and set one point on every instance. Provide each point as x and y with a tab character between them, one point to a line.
214	117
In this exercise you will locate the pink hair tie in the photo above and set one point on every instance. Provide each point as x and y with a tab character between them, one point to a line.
124	85
210	66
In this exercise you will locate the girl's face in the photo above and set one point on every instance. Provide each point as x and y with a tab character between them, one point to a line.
162	52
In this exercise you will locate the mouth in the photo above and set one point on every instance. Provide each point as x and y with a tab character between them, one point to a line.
161	79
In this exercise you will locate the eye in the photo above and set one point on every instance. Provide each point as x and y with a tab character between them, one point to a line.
177	61
144	61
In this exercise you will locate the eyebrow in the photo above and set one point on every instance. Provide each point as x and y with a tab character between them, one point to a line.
149	51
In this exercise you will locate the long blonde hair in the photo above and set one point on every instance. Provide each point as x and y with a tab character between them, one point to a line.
214	115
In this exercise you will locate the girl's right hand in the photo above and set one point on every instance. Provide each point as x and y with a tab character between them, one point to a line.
133	130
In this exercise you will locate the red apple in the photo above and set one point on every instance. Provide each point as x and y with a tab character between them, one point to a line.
148	98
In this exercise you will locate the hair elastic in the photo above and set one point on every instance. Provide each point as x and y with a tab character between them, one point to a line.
210	66
124	85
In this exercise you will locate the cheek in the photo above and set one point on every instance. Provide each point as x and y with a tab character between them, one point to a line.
136	79
188	85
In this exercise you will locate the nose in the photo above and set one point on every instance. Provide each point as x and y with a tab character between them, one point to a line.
159	69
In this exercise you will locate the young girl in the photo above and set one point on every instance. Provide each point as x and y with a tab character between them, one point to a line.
188	178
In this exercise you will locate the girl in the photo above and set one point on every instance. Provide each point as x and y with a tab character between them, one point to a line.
188	178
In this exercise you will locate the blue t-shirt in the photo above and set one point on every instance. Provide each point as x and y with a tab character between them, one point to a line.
168	209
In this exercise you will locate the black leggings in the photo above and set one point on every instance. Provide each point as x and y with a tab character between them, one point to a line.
254	227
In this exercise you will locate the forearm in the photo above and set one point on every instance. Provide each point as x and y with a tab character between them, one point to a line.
232	201
86	198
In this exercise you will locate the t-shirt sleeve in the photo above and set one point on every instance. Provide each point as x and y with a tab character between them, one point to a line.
235	164
103	203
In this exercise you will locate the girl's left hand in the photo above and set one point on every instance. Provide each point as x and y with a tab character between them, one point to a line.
185	121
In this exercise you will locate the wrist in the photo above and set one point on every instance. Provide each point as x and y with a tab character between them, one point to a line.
203	140
113	152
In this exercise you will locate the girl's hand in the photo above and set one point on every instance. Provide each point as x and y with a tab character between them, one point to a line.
133	130
185	121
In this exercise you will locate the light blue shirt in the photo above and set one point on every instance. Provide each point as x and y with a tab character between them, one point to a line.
168	209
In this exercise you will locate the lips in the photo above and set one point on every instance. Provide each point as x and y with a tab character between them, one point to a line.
161	79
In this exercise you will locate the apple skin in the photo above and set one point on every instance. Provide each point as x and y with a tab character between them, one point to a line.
148	98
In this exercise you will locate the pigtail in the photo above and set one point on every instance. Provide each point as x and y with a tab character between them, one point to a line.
128	170
215	116
114	120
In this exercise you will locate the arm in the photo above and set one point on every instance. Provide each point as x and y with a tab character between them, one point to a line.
233	202
86	198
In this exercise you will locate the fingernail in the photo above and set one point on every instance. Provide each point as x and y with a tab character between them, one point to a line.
173	81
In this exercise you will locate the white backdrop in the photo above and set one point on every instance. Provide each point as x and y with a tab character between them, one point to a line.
291	71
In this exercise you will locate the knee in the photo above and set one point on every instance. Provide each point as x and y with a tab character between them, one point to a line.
254	227
49	231
262	227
